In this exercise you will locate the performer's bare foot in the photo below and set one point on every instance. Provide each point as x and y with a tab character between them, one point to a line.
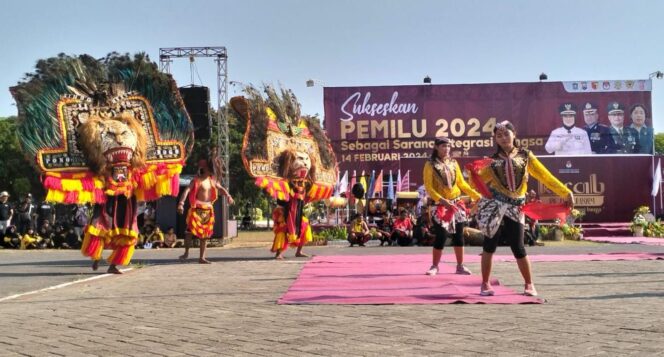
301	255
184	257
204	261
113	270
95	265
279	256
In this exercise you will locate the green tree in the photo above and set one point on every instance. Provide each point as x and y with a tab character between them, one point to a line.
17	174
242	186
659	143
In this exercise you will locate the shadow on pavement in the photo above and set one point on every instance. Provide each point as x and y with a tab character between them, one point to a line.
80	262
194	260
621	296
145	296
602	274
15	275
150	261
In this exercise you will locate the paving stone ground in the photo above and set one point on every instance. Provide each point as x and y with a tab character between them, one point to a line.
165	308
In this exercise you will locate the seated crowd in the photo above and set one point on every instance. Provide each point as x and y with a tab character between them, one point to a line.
65	231
404	230
62	237
65	237
407	229
151	237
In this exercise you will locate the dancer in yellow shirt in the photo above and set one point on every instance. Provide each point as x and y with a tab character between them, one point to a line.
505	176
444	184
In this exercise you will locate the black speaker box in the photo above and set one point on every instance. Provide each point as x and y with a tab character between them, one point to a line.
197	101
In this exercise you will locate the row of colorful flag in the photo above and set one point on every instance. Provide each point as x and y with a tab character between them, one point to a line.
373	188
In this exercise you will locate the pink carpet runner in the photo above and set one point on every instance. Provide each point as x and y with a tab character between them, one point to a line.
567	257
390	279
627	240
400	279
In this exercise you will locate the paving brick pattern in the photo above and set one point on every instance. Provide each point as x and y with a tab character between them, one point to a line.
229	308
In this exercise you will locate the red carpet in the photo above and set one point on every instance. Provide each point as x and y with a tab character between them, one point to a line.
390	279
627	240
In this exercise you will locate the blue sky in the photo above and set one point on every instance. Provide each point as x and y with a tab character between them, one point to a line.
349	43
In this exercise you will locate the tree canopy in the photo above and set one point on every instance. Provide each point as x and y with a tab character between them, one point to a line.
659	143
18	175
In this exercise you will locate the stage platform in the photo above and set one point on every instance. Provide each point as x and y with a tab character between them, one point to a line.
606	229
627	240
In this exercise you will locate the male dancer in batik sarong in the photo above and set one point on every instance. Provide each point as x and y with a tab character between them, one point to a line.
201	193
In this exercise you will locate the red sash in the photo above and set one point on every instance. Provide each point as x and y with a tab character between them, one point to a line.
538	210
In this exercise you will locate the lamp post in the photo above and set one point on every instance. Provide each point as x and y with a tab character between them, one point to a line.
312	82
656	74
427	80
543	77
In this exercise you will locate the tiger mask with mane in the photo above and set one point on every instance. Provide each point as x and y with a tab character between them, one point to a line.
118	141
112	132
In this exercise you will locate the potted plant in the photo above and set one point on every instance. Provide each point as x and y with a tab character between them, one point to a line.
317	239
571	232
543	232
557	231
575	215
654	229
330	234
639	221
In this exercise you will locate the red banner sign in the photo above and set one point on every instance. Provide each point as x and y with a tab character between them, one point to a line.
375	127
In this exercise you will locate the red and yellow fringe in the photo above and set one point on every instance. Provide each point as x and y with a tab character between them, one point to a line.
158	180
279	189
121	240
276	188
281	242
82	187
147	184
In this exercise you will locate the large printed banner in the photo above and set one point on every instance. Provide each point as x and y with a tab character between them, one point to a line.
606	188
375	127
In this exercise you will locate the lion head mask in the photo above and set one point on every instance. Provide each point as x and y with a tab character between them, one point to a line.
117	141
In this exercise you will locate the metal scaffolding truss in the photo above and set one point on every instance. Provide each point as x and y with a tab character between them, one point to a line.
219	54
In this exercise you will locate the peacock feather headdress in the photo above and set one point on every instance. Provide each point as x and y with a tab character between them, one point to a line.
71	106
274	125
64	91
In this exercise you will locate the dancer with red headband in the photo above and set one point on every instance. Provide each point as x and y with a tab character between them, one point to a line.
201	193
503	179
444	184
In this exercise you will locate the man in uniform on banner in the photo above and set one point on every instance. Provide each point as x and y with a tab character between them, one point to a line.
568	139
622	139
598	134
